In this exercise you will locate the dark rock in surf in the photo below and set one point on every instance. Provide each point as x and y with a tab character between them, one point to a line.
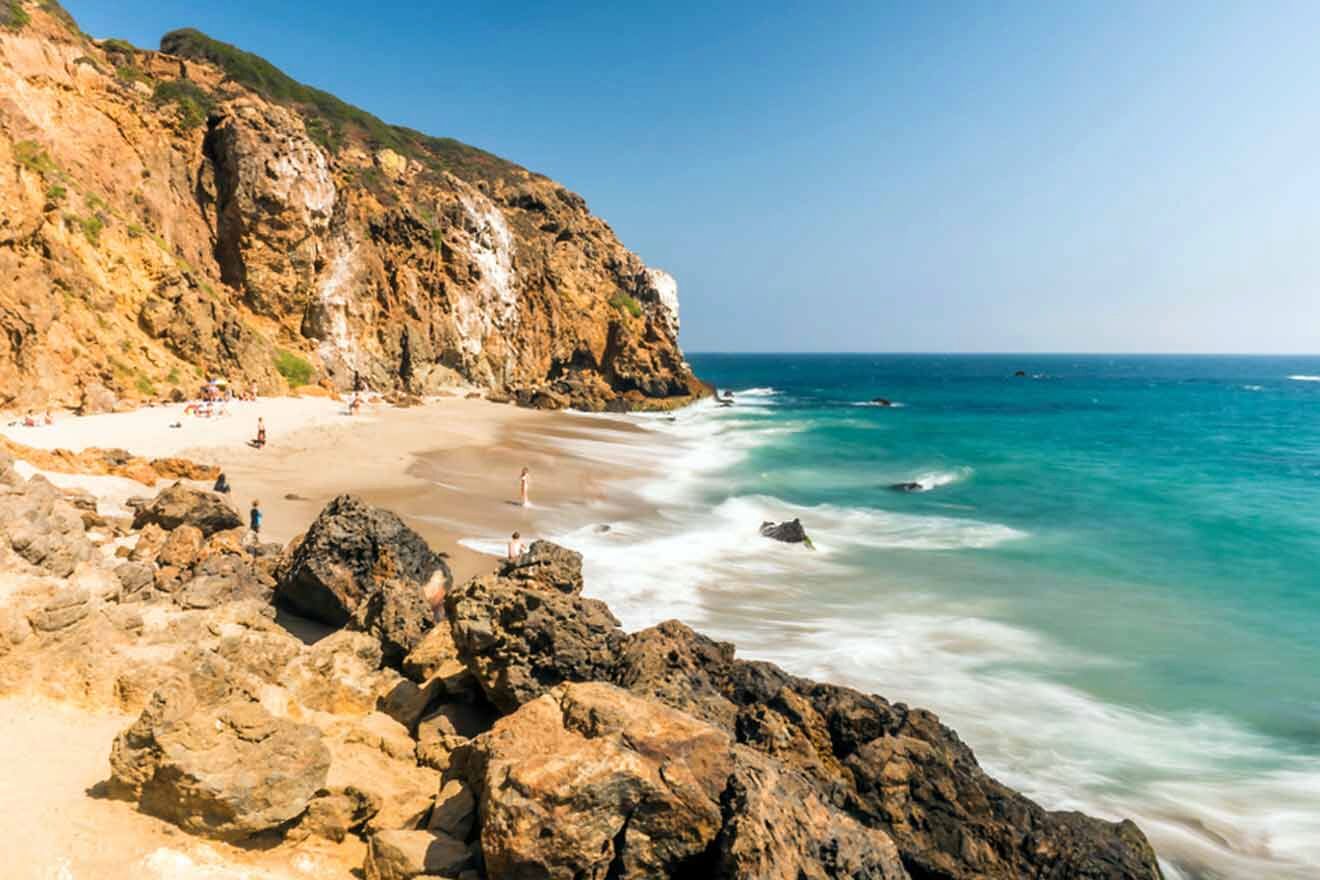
907	487
882	401
789	532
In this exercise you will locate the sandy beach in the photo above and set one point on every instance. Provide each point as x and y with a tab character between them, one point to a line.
450	467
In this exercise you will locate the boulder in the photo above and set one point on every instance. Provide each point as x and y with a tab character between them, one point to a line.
521	642
97	399
181	547
66	608
226	770
779	828
374	756
436	657
455	811
180	505
349	552
790	532
403	855
40	526
397	615
546	566
591	782
681	668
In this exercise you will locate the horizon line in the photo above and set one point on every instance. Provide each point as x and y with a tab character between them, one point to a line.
824	353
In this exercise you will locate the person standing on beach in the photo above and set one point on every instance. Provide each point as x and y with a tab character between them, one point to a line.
515	547
523	483
261	433
254	521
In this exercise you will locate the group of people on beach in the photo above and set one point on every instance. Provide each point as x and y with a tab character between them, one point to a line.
32	420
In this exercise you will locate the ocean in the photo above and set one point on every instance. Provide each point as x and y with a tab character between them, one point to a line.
1106	578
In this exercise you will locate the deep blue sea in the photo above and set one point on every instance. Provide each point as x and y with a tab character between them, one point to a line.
1108	582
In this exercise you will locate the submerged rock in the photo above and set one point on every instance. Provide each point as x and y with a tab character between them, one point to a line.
789	532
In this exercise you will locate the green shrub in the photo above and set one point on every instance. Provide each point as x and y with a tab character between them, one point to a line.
144	386
90	62
193	101
173	377
54	8
625	303
118	46
131	74
13	17
92	227
295	370
329	119
32	156
56	193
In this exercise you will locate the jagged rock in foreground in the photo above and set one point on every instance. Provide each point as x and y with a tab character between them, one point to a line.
532	736
227	771
194	212
891	767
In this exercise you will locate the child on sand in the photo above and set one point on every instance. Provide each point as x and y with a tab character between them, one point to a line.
523	482
515	547
261	433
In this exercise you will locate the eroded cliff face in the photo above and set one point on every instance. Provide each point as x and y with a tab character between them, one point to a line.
160	222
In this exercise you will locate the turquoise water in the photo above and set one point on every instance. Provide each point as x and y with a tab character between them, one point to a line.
1109	586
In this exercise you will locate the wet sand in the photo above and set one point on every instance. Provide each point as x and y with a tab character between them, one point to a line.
449	468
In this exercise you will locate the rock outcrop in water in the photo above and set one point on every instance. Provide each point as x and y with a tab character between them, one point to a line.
194	212
528	734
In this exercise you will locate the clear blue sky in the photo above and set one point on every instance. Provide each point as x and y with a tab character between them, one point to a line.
876	177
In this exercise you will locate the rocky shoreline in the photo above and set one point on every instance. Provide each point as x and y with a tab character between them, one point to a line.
522	734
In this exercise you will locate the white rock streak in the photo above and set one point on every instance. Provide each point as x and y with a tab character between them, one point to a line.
493	303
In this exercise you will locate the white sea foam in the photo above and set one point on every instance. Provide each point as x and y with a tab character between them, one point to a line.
1305	378
893	404
936	479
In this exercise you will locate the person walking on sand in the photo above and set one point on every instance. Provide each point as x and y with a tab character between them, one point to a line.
523	482
254	521
515	547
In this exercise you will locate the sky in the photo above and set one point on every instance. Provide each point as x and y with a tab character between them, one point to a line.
928	176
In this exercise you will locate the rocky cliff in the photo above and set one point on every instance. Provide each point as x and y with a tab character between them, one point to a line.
195	212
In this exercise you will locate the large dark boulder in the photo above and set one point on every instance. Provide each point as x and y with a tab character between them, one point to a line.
180	505
351	552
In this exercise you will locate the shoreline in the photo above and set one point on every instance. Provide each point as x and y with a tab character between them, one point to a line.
449	467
